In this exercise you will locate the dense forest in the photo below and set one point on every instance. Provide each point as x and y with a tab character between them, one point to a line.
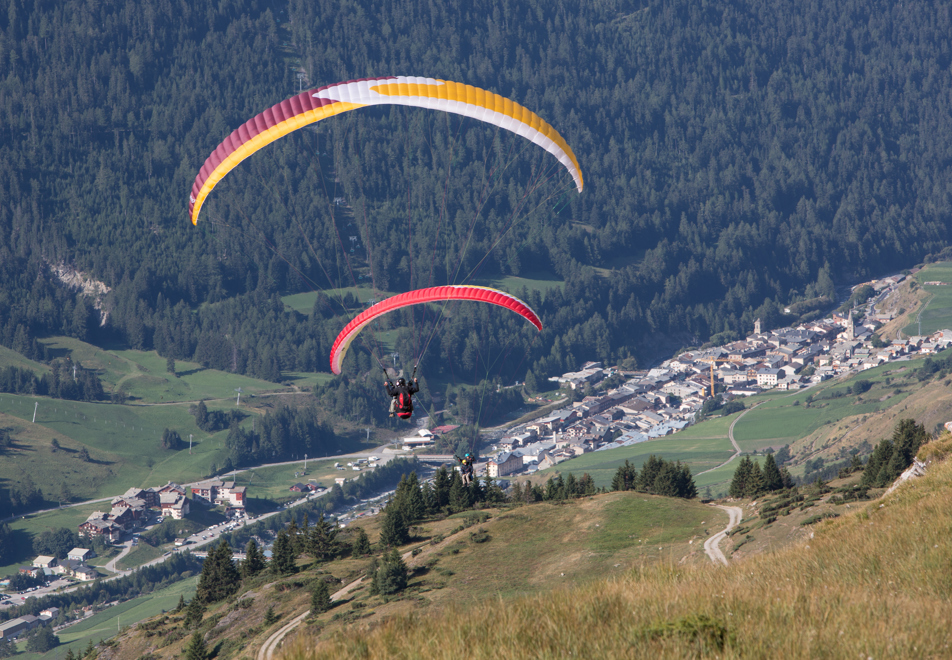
737	157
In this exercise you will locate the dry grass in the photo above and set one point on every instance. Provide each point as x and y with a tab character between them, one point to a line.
873	583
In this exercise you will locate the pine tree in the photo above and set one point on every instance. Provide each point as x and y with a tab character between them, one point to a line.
649	472
738	487
390	576
282	555
196	649
193	613
441	487
320	598
460	495
394	530
322	539
361	544
686	487
772	478
220	577
254	561
181	604
269	616
755	480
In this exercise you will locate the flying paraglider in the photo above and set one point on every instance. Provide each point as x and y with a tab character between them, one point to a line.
432	294
317	104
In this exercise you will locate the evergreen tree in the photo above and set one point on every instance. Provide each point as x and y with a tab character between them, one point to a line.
587	485
181	604
755	480
282	555
390	576
394	530
196	649
666	481
361	544
254	561
320	598
460	495
772	477
649	472
41	640
269	616
220	577
878	460
738	487
193	613
322	539
441	487
686	487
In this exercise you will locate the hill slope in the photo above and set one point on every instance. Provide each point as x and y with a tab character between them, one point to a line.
874	583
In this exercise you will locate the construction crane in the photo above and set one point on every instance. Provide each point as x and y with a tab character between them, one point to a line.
712	361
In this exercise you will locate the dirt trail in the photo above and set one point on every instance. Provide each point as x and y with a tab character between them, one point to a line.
712	545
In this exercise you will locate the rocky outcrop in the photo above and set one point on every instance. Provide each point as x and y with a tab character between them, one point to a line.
917	469
92	289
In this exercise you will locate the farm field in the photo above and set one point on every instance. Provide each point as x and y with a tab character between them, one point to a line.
10	358
936	314
304	302
143	376
104	625
124	445
701	447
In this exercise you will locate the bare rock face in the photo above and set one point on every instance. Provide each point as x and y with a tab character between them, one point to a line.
90	288
917	469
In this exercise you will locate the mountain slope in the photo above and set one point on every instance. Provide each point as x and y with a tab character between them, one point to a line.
874	582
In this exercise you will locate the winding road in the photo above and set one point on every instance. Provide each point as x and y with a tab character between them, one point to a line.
712	545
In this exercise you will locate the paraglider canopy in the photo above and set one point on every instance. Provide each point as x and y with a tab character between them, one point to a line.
432	294
317	104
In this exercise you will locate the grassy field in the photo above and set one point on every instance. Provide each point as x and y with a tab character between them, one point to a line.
105	624
143	376
513	284
608	535
702	447
124	445
304	302
873	582
10	358
139	555
937	312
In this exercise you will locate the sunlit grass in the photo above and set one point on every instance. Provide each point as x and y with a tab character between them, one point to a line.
875	582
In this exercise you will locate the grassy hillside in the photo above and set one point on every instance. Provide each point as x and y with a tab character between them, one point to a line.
872	583
473	557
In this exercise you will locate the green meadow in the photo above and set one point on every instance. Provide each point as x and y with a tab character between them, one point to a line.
702	447
144	377
105	624
936	314
304	302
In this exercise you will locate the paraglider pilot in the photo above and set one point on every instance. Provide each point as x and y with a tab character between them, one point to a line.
401	397
466	468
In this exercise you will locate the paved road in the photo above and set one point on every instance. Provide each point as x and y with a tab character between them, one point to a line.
712	545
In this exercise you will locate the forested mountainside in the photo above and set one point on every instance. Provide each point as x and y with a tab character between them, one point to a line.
736	156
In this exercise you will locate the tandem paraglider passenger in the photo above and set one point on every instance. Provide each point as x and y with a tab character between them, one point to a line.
466	468
401	397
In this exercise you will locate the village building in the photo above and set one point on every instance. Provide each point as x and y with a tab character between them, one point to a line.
503	464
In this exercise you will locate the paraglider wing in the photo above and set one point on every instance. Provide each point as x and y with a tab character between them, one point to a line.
432	294
317	104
